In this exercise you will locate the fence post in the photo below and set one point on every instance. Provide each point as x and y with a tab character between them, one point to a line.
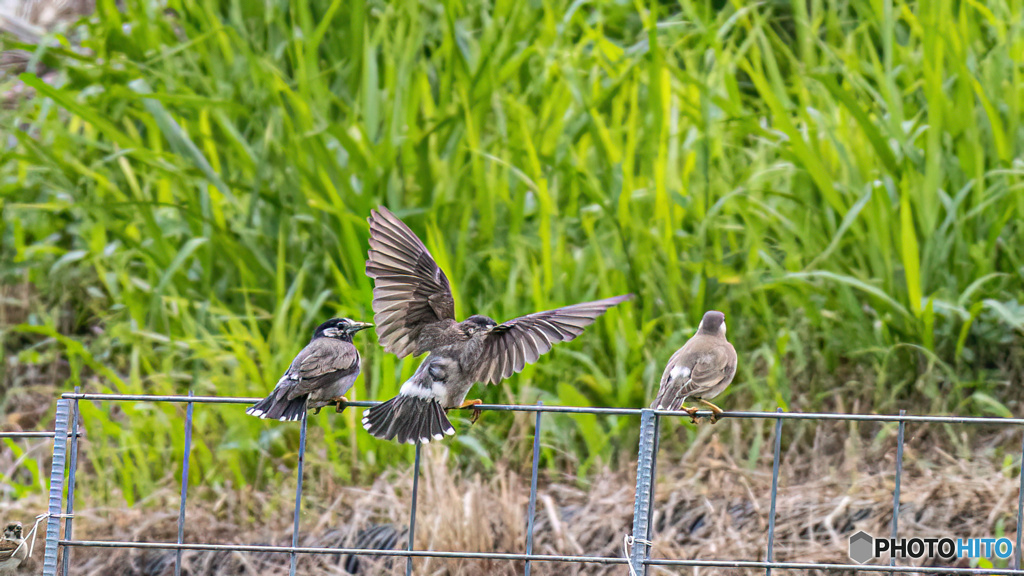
60	450
70	507
644	491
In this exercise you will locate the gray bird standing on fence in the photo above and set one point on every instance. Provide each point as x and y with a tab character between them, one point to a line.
415	313
701	369
13	549
319	376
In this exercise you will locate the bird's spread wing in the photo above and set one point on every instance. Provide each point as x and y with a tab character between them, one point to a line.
512	345
410	291
322	359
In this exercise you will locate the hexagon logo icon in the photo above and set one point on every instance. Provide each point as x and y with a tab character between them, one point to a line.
861	547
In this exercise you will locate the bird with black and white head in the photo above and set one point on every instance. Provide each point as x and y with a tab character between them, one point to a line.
701	369
415	313
13	549
319	376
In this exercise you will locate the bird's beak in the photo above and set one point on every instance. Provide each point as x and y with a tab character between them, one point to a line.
357	326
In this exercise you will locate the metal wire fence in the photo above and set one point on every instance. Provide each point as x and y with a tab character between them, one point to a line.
636	560
34	435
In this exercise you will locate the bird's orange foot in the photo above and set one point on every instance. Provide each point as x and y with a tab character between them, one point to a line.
340	403
716	412
692	412
476	411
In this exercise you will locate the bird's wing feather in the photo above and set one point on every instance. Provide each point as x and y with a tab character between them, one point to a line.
676	374
323	358
410	290
674	368
512	345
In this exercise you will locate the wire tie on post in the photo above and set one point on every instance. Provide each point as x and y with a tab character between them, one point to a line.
627	543
32	533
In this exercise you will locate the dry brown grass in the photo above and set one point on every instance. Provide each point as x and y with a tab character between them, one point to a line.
708	506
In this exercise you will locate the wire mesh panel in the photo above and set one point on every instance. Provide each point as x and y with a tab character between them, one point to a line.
636	557
61	436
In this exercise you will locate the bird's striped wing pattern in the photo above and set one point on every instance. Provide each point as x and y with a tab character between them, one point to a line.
410	291
512	345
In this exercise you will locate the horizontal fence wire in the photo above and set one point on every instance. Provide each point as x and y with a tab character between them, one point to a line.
998	421
640	554
26	435
741	564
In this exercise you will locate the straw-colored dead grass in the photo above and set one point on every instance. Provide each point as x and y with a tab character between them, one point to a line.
708	506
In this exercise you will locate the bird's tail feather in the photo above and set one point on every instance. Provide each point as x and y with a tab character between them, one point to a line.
379	537
408	419
668	399
274	408
662	402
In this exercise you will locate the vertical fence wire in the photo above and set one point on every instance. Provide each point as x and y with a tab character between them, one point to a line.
293	561
412	512
776	457
1020	509
184	482
896	488
65	564
532	509
60	444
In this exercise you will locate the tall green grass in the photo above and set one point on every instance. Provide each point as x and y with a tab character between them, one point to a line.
843	179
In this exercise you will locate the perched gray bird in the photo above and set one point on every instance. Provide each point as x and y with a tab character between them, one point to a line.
415	313
701	369
13	549
319	376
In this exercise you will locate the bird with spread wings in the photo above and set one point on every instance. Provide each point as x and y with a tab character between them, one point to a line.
415	313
